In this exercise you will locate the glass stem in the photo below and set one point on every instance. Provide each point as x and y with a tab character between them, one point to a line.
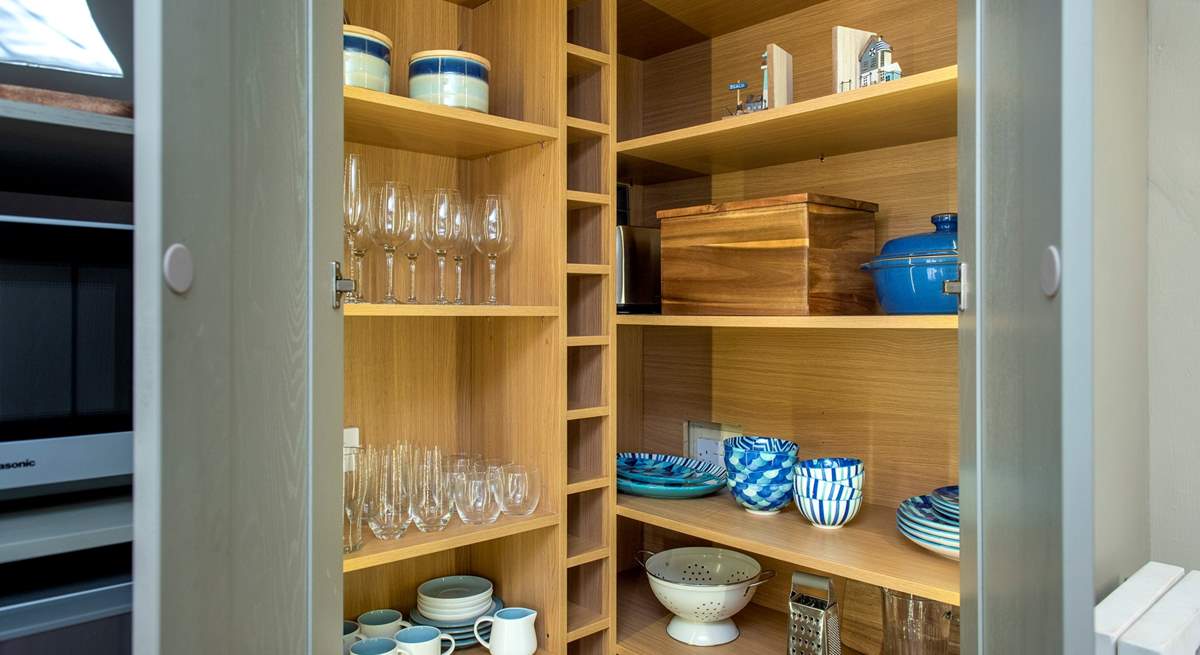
458	271
412	278
441	266
360	281
492	280
389	256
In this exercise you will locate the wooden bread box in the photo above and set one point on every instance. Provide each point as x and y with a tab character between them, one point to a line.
797	254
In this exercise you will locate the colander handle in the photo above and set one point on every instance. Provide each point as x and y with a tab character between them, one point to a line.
760	579
639	559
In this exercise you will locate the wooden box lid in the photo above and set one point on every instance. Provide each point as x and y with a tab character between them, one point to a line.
758	203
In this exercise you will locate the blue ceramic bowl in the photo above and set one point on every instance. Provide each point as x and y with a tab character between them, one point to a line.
762	499
764	476
824	489
831	468
910	273
745	454
828	513
855	482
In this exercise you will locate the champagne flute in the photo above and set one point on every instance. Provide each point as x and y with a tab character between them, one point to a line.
354	220
492	234
442	227
391	214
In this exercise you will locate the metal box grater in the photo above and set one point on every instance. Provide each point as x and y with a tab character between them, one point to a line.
814	621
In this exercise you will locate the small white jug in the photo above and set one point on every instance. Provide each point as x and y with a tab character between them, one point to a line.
513	632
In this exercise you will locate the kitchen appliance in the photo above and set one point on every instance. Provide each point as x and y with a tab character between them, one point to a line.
66	344
814	627
638	270
916	274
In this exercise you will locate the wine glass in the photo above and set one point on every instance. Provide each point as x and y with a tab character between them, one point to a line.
492	234
459	251
391	216
354	220
443	231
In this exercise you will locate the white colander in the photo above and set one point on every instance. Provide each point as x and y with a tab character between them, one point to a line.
703	587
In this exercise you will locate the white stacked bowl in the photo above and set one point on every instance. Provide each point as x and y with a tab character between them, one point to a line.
828	491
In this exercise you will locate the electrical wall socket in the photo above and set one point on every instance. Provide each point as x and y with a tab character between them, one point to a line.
703	440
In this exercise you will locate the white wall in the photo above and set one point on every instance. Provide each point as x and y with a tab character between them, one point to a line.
1121	526
1174	284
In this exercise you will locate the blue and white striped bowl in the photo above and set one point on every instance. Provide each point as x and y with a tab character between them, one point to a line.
824	489
828	514
762	499
831	468
855	482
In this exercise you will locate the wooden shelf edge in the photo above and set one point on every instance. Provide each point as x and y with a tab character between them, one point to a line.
588	269
730	534
591	57
582	199
450	311
582	622
589	484
581	128
869	322
586	552
586	412
582	342
415	544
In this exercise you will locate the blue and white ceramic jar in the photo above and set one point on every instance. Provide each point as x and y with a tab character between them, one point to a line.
366	58
449	77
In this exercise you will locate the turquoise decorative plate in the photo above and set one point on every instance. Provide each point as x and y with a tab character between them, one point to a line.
651	490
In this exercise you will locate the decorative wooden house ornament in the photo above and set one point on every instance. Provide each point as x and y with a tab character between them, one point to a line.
875	64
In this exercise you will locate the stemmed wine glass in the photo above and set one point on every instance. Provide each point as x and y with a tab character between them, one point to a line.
443	231
391	223
459	251
354	220
492	234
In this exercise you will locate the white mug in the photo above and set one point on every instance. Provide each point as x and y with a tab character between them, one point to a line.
350	635
423	640
375	646
381	623
512	631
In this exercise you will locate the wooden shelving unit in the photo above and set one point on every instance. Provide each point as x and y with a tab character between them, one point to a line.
393	121
913	109
945	322
585	199
448	311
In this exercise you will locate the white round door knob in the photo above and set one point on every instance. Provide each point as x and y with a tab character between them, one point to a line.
1051	271
177	268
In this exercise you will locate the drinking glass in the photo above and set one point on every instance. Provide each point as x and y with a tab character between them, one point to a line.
355	477
391	221
913	625
442	230
520	489
475	497
431	494
492	234
489	464
390	496
354	212
459	251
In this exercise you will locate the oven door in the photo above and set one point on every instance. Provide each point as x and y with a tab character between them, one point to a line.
66	339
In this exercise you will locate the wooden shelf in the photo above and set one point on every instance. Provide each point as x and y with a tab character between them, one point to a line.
588	269
582	199
648	28
469	4
579	482
447	311
581	342
917	108
415	543
583	60
581	551
579	129
582	621
869	549
642	629
586	412
392	121
873	322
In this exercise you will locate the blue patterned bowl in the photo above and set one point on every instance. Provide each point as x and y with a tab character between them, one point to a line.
745	454
855	482
824	489
762	499
828	514
831	468
765	476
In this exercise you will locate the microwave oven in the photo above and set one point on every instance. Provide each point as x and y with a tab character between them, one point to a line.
66	345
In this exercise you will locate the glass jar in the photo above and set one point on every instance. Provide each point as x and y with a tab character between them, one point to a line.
914	626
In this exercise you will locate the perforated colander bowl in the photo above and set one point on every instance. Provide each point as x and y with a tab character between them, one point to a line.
703	588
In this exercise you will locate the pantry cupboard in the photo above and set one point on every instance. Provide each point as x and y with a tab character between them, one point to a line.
247	379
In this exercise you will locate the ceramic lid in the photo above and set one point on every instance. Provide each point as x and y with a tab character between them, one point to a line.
426	54
942	241
358	30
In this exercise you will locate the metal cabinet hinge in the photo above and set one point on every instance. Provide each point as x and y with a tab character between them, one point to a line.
340	285
960	287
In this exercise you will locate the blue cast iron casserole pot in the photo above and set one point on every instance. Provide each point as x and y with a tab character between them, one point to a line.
910	272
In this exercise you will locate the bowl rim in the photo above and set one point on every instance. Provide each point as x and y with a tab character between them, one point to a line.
491	588
710	550
826	463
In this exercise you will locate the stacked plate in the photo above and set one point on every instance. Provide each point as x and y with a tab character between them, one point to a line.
931	521
656	475
452	603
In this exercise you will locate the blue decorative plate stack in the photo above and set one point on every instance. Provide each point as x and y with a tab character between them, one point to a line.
656	475
931	521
